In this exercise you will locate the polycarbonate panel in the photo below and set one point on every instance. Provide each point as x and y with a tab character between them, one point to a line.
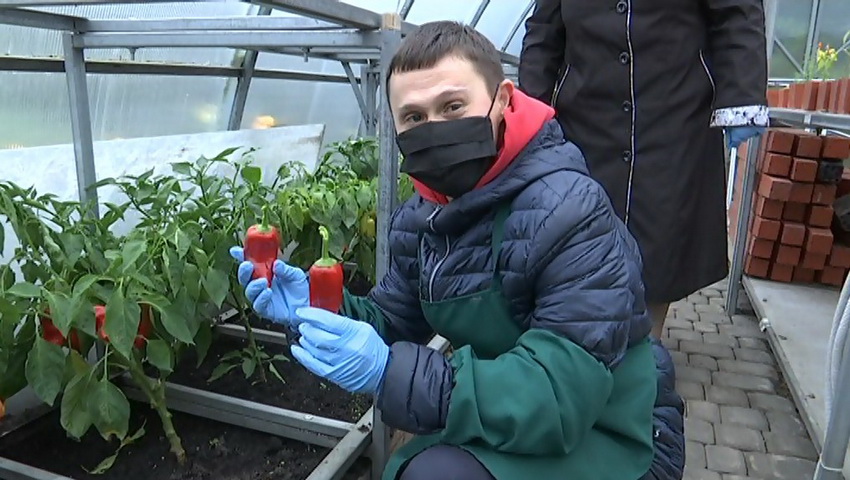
34	42
792	29
292	102
499	19
833	25
35	107
424	11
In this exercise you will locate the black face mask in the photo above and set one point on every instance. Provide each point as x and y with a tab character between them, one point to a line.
451	156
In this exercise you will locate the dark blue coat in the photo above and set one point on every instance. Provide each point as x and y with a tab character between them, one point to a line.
570	267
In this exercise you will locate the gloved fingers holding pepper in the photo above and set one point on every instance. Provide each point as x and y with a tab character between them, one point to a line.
289	289
348	352
738	135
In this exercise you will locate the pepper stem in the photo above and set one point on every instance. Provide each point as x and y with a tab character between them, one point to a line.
264	223
326	260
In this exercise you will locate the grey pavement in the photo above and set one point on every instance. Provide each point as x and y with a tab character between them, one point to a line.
740	421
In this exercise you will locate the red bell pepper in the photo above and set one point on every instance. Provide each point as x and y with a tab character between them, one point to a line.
326	279
143	332
52	334
261	247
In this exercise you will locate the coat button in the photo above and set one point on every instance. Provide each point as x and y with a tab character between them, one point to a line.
627	156
622	6
624	58
627	106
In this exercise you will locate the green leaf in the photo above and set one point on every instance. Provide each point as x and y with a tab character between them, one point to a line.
109	410
217	285
182	168
183	242
221	370
226	153
75	365
252	175
174	321
7	276
25	290
248	366
73	245
192	281
203	341
159	355
276	373
133	249
84	283
61	310
122	322
109	461
74	416
45	370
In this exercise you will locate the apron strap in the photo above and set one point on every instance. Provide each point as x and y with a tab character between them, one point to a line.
502	213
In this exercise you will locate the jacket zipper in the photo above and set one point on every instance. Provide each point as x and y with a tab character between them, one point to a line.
559	85
430	221
708	74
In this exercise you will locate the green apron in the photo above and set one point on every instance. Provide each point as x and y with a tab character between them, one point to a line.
619	447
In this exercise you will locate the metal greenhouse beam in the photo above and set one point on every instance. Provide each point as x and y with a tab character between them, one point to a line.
233	39
36	19
260	21
243	83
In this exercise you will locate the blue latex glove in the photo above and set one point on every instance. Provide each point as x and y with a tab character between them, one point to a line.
738	135
288	292
349	353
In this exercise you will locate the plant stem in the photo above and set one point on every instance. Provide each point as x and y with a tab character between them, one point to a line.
156	395
252	340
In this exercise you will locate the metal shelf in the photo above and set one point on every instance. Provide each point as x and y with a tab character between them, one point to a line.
809	119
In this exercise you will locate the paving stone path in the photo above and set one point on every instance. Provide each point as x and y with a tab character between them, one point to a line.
740	421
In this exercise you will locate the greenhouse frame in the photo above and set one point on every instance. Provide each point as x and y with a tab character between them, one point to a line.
241	52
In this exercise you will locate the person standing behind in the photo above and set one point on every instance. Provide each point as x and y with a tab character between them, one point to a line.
646	89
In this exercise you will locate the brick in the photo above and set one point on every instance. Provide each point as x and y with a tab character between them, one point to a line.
680	334
781	273
748	368
744	382
767	208
766	229
704	411
809	94
739	437
717	319
757	267
678	323
742	416
725	460
804	275
775	188
779	467
779	141
691	390
813	261
793	234
843	103
711	350
835	148
693	374
754	343
760	248
801	193
698	430
771	403
822	99
830	171
832	276
777	164
706	327
753	355
695	453
679	358
726	396
795	212
840	255
719	339
703	362
823	194
700	474
787	255
711	308
804	169
742	329
833	96
807	145
820	215
785	424
819	240
790	445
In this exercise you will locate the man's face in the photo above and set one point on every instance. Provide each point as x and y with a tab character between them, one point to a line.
449	90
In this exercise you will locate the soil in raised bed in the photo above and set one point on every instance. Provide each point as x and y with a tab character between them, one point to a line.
215	450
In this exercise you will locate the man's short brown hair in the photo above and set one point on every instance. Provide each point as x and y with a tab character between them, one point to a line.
434	41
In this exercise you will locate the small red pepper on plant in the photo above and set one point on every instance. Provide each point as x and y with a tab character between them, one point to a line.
261	247
326	279
52	334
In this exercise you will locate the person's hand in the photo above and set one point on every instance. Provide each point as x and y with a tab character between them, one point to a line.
348	352
738	135
289	290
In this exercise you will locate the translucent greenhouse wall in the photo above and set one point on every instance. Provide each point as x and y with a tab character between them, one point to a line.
34	106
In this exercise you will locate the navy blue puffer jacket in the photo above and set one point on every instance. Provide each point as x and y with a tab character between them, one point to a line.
570	269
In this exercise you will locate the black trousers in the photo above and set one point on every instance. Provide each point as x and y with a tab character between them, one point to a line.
445	462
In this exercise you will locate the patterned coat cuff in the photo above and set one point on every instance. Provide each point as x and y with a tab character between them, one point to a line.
746	116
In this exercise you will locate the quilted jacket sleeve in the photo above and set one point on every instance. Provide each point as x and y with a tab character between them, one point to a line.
392	307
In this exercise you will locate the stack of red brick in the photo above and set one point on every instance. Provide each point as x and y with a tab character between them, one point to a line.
790	237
